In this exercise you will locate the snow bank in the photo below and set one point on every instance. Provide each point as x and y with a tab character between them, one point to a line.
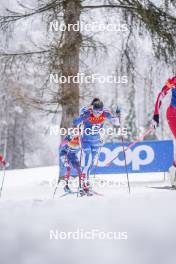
28	214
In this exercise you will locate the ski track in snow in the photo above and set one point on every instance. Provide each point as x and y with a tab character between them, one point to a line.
28	213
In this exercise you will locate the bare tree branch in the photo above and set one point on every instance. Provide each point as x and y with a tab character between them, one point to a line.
108	6
4	54
12	18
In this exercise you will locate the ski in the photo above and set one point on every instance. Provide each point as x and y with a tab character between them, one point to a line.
92	193
68	193
97	193
169	188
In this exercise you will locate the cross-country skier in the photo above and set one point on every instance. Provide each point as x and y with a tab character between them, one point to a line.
3	162
84	109
68	156
170	86
93	119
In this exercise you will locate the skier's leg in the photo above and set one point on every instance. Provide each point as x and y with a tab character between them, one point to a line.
94	155
66	178
87	186
95	150
67	174
87	166
62	170
171	118
87	158
67	170
75	162
172	176
62	165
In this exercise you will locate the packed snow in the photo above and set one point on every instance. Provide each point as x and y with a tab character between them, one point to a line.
30	218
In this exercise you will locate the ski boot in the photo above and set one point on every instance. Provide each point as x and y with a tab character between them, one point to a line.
81	191
87	189
172	176
173	187
67	189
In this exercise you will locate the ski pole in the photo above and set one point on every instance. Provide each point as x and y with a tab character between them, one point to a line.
123	146
132	144
56	186
59	179
4	170
80	161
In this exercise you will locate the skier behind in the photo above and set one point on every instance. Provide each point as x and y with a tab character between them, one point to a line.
93	119
68	156
170	86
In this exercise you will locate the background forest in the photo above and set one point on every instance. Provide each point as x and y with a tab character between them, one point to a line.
143	49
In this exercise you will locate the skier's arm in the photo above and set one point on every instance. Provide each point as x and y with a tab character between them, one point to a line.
63	156
167	87
3	162
113	119
160	97
83	110
78	120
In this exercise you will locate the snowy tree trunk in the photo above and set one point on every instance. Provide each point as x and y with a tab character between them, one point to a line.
70	63
15	143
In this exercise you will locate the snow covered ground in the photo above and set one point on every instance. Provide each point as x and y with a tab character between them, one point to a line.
28	216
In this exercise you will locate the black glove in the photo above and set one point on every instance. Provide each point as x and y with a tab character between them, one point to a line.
156	120
118	111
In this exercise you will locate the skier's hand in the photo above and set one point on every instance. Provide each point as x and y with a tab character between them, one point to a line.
66	164
6	165
101	141
118	112
65	161
155	121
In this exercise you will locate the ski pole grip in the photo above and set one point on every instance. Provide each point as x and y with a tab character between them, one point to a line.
118	110
118	113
